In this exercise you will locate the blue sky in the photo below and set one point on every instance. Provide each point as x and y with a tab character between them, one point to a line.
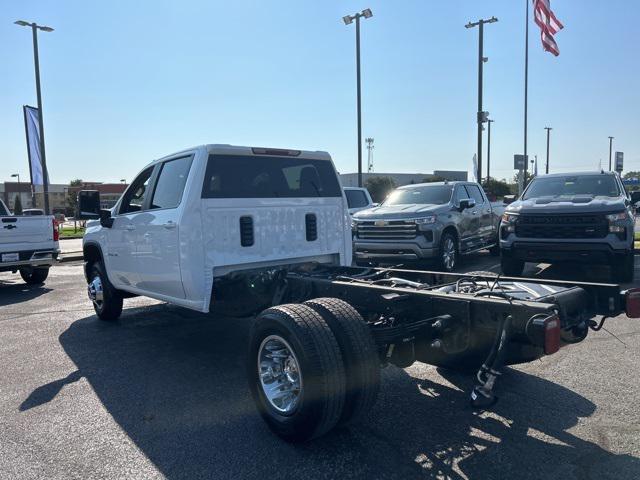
126	82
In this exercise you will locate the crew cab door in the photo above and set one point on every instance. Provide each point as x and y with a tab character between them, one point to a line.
121	264
485	226
158	232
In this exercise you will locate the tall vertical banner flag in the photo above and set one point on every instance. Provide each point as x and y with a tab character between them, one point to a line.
475	168
549	25
32	130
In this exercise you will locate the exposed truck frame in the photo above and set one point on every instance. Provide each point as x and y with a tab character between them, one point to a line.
475	322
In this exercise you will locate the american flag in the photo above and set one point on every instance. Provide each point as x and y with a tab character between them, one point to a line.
549	25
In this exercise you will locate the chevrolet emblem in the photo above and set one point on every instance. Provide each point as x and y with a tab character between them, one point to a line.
380	223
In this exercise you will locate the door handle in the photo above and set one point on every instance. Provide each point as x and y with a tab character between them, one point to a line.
130	228
169	224
474	212
147	235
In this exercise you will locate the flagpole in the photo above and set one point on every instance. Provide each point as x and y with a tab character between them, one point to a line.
526	87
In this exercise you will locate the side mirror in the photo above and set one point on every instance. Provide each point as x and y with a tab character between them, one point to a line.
467	203
635	197
106	220
509	199
88	205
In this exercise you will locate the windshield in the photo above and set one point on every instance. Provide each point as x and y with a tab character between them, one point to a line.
596	185
427	195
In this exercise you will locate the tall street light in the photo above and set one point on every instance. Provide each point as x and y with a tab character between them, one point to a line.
481	114
610	148
34	29
348	19
14	175
489	122
548	129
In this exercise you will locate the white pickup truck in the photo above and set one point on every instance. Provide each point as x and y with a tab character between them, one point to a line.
28	244
236	230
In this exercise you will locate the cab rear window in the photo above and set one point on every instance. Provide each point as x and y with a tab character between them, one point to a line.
237	176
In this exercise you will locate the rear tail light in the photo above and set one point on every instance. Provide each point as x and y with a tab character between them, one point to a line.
551	335
632	302
544	331
56	233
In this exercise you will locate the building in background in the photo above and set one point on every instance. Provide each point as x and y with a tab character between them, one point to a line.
58	195
351	179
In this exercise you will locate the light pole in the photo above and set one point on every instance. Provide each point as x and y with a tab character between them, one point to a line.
610	148
481	114
14	175
548	129
34	29
489	121
348	19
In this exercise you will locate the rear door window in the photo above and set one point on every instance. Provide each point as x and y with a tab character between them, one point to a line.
356	198
171	183
238	176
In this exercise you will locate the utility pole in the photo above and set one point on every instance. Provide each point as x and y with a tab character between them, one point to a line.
526	87
45	183
370	147
481	115
347	19
489	122
548	129
610	147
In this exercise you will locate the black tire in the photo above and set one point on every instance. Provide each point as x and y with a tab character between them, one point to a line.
359	353
111	306
34	276
316	350
445	251
623	268
511	267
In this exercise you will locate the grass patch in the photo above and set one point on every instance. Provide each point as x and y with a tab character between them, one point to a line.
637	236
67	232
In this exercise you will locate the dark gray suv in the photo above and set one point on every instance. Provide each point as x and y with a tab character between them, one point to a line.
584	217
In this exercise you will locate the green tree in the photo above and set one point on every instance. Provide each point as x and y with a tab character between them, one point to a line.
379	187
435	178
496	188
72	195
17	205
631	174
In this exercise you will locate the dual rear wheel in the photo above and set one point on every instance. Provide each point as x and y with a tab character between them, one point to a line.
312	367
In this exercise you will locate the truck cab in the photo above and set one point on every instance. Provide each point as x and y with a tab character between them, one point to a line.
195	217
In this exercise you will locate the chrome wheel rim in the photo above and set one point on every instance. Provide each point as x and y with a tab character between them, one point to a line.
280	375
449	253
95	292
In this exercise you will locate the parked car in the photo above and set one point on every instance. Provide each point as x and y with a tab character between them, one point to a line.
236	230
28	245
358	199
429	221
584	217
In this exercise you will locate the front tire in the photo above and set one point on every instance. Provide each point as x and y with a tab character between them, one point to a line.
359	352
622	269
295	372
511	266
107	301
34	276
448	252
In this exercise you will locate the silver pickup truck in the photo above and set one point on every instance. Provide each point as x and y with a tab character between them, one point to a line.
428	221
28	244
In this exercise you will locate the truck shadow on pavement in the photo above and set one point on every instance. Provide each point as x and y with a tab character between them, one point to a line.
174	381
12	293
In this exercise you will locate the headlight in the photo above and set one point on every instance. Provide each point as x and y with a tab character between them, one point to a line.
509	221
354	224
431	219
509	218
615	217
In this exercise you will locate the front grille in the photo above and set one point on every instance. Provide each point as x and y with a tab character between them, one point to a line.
389	230
562	226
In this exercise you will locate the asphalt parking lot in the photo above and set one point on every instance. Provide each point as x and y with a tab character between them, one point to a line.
162	394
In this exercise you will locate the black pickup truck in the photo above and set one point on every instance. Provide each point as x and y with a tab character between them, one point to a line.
583	217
